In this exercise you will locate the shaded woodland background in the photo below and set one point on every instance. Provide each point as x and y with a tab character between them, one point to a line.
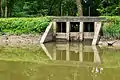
32	8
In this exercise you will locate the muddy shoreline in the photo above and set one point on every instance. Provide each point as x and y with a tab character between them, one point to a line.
35	39
19	40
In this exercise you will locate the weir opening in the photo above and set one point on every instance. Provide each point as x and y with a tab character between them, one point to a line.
74	26
89	27
61	27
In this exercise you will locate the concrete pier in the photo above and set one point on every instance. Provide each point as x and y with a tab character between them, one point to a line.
81	31
96	33
67	30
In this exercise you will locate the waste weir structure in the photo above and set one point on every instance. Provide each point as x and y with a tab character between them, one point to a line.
69	28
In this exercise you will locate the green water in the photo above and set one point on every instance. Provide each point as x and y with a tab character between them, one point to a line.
59	61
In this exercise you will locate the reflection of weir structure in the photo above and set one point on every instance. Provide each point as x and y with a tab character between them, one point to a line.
72	52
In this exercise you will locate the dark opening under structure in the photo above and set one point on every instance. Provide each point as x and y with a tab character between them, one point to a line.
74	26
88	26
61	27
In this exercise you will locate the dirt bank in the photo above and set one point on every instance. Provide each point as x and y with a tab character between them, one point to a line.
35	39
19	40
108	42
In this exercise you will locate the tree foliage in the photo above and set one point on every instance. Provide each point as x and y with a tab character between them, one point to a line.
27	8
109	7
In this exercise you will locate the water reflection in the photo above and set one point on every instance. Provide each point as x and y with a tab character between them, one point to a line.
29	71
72	52
68	61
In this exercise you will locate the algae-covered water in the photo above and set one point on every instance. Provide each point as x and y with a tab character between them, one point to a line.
59	61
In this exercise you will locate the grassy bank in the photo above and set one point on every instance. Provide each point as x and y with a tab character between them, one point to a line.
23	25
111	28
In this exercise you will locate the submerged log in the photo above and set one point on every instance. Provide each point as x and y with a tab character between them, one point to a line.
110	43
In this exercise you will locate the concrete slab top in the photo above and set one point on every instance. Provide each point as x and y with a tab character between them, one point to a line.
77	19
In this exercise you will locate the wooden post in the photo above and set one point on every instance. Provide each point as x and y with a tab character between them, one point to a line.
54	30
67	30
96	33
81	31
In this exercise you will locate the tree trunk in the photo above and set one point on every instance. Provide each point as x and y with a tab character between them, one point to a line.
9	11
6	8
1	9
50	9
61	8
79	7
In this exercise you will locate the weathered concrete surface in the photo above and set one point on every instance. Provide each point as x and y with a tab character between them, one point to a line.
81	31
77	19
68	35
88	35
74	36
54	30
96	33
67	30
61	36
48	34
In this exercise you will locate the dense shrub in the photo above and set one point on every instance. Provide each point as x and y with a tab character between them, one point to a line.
23	25
111	28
